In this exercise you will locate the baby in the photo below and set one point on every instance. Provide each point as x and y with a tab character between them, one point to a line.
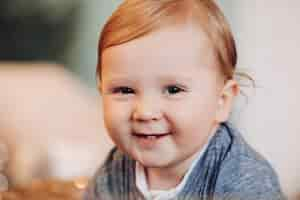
166	75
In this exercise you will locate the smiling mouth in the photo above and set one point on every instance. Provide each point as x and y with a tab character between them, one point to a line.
150	136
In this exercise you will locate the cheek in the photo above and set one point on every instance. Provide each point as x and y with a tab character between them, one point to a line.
194	119
116	114
196	108
115	110
116	120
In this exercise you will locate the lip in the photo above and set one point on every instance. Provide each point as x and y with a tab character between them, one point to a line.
150	140
151	134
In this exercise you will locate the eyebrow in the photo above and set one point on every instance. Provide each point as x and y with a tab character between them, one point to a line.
119	79
175	78
171	78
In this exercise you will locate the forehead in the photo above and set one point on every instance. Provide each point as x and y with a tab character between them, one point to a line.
182	47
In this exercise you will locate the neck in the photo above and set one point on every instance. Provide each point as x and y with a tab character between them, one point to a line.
167	177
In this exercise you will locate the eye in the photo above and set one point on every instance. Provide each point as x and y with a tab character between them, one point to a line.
173	89
123	90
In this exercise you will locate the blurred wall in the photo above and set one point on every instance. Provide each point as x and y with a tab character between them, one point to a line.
35	30
82	57
268	40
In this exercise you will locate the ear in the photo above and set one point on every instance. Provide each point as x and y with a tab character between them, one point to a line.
225	102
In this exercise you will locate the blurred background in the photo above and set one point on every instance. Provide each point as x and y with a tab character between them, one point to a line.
50	111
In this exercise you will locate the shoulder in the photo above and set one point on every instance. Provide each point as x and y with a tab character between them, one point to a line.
245	172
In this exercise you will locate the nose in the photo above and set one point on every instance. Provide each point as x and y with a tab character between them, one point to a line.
147	109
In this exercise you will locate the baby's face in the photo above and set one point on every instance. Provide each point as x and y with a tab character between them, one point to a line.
160	95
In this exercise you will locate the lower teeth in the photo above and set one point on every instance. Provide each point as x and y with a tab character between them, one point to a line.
151	137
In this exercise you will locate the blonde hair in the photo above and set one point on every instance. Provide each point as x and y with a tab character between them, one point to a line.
136	18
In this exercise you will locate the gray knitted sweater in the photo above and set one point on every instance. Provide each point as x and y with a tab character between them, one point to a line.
228	170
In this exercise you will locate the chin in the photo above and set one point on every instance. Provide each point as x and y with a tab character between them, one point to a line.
152	159
154	163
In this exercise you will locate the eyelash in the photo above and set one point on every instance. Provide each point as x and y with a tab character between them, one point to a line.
122	90
172	87
170	90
